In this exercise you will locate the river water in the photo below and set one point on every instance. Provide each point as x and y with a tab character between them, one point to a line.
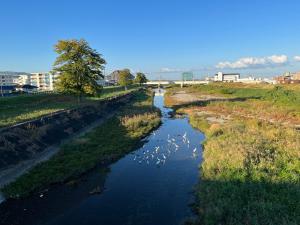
151	186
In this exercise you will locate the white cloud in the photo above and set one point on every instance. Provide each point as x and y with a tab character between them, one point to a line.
254	62
170	70
297	58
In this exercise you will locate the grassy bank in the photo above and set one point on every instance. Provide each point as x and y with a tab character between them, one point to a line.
104	144
27	107
250	172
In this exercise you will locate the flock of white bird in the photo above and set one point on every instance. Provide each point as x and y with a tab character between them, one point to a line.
160	154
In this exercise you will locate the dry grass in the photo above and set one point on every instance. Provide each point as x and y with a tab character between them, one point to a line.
251	163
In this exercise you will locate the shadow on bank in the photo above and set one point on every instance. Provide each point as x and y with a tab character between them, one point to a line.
248	202
206	102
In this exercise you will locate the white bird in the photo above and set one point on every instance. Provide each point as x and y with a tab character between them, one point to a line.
41	195
173	139
195	149
156	149
134	158
163	155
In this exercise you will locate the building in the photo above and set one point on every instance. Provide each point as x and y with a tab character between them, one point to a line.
227	77
27	88
44	81
249	80
296	76
23	79
8	82
115	76
288	78
8	78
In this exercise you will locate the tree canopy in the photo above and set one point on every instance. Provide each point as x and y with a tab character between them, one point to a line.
125	78
79	67
140	78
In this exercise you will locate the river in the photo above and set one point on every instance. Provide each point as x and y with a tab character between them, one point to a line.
151	186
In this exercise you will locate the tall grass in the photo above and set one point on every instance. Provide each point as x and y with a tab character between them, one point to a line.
250	172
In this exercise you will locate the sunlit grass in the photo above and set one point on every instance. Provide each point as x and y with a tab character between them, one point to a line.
27	107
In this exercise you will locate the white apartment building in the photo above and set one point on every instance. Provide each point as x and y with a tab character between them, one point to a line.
8	79
44	81
24	79
227	77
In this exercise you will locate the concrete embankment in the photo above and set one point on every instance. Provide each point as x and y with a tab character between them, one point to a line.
24	145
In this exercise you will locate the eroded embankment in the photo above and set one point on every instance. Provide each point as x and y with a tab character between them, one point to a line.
23	146
104	144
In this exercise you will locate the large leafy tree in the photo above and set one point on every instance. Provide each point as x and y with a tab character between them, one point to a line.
79	67
125	78
140	78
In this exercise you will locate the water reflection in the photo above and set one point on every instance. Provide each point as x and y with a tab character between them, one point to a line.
150	186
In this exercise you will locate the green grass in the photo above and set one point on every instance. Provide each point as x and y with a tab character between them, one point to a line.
250	172
104	144
27	107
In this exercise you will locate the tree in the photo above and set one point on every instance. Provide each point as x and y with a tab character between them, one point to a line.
125	78
140	78
79	67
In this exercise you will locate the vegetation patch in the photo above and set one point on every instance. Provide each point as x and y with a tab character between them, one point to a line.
104	144
250	172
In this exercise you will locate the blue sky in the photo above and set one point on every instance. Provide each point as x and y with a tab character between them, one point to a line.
259	37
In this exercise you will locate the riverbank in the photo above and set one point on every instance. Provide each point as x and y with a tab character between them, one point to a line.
250	172
17	109
105	144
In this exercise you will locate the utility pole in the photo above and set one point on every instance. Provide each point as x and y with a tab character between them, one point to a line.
159	81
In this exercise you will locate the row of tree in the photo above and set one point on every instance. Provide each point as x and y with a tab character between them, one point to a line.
125	78
80	67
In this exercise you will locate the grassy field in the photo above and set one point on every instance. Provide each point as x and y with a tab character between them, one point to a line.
27	107
250	172
104	144
280	104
